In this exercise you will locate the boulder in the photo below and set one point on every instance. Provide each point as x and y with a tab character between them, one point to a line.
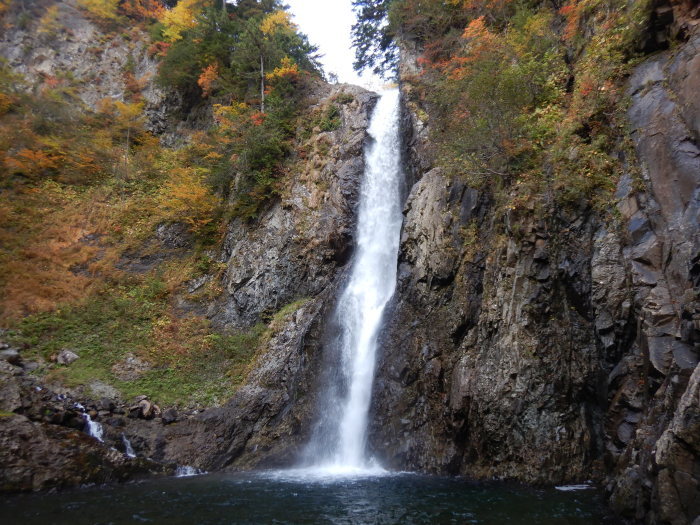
170	416
11	356
66	357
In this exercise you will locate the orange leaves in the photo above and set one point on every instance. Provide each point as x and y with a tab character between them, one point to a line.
176	337
30	162
6	103
40	242
206	80
257	118
142	9
158	49
478	35
572	13
186	197
477	42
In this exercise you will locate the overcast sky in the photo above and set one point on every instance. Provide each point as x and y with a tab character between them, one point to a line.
327	23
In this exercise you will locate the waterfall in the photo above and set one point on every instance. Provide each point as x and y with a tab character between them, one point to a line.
128	449
339	441
94	429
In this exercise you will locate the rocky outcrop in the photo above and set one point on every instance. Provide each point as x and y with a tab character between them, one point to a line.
69	50
296	252
655	388
559	348
43	445
284	268
296	247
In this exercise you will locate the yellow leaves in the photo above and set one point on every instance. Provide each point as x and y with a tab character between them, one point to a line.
180	18
101	9
186	197
48	23
5	104
288	69
125	114
276	21
228	117
207	79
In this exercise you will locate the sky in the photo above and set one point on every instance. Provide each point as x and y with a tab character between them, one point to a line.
328	23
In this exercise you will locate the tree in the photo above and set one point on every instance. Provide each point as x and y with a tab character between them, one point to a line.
373	38
264	43
180	18
143	9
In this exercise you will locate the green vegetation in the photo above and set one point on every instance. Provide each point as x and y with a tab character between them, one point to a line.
179	360
330	118
527	97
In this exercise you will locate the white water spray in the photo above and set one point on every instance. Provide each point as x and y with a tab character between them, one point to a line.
341	447
94	429
128	449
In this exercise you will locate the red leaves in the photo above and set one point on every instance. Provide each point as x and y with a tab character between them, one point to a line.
572	13
257	118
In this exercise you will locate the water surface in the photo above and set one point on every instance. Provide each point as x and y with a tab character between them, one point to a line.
289	498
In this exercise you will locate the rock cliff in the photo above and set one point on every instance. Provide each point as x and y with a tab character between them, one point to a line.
556	349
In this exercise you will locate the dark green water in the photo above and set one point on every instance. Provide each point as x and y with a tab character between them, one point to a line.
280	499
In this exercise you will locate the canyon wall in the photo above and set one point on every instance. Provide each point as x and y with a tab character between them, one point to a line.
558	348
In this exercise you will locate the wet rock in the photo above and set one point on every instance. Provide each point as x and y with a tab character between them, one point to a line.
30	462
170	415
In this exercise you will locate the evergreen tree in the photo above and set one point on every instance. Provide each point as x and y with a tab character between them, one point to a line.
373	37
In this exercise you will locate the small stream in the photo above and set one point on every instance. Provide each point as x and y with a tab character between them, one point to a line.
286	498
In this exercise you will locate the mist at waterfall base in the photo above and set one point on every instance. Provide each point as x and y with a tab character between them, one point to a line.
338	481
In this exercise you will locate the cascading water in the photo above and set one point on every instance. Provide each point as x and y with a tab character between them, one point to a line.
128	449
93	428
339	442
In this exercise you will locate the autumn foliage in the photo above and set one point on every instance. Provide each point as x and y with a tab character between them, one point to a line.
527	95
207	79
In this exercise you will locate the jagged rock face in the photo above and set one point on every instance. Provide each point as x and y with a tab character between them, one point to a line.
557	349
655	390
299	248
295	249
489	357
42	445
95	63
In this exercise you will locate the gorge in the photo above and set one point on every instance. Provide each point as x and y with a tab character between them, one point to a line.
195	271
